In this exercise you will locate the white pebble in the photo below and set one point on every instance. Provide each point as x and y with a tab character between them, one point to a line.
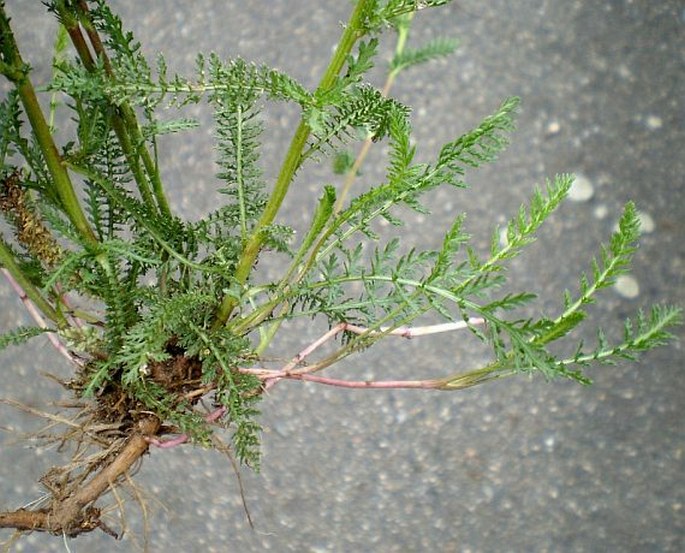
601	211
654	122
581	189
625	73
549	443
627	286
553	127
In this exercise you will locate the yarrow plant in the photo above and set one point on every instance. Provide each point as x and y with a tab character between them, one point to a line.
165	321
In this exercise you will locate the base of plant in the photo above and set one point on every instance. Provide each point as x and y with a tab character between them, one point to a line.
109	435
106	455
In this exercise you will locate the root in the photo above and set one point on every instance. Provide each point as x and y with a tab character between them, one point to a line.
72	511
107	438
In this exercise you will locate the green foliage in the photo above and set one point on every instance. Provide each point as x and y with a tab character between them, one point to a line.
169	295
359	107
434	49
238	132
20	335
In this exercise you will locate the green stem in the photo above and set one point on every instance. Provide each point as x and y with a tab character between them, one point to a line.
474	378
7	261
18	73
131	122
402	36
124	120
403	27
122	132
353	32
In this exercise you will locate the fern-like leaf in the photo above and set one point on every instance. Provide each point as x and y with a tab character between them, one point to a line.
435	49
20	335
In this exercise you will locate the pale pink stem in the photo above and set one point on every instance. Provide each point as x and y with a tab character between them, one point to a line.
167	444
216	414
314	345
269	381
183	438
271	377
40	321
259	372
365	384
74	321
413	332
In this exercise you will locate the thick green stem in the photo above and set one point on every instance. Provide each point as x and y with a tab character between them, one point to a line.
18	74
61	180
353	32
131	123
124	120
264	311
7	261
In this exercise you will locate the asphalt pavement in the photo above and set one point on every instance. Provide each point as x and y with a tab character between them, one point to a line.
520	465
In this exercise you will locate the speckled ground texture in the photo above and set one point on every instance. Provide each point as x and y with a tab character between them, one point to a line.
523	466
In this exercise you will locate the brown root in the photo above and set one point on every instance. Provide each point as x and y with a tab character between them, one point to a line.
109	436
71	511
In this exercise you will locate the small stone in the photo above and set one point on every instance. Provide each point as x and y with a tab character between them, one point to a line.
488	492
625	73
581	189
653	122
627	286
553	127
601	211
550	442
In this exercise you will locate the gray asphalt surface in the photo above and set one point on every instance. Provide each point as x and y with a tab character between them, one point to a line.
522	466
